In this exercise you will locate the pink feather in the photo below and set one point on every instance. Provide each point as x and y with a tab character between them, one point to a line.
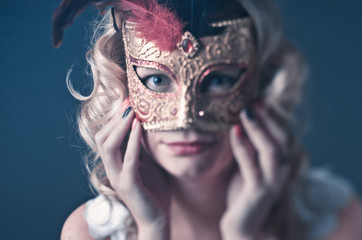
155	22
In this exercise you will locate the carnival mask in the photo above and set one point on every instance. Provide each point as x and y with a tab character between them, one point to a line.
189	89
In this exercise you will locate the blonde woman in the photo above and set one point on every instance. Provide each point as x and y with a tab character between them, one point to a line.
190	127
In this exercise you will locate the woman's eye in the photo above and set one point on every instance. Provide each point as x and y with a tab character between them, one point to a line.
221	80
158	83
217	83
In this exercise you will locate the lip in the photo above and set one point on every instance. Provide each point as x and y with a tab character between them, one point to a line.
188	148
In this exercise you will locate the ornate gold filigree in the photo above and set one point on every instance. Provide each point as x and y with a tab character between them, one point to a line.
187	106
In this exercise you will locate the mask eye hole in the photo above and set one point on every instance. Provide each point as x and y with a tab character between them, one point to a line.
222	80
155	80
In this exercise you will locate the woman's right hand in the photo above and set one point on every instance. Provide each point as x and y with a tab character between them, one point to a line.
140	185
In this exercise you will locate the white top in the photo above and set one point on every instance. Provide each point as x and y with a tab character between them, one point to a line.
318	197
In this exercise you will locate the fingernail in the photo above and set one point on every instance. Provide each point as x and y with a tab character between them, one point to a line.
249	113
125	114
238	130
134	123
125	105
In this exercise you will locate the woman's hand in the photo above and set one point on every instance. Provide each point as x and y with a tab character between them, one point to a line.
140	185
258	145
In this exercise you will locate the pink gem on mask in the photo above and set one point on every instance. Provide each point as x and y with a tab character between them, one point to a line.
187	45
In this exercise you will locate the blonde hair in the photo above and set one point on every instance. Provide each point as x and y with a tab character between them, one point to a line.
282	73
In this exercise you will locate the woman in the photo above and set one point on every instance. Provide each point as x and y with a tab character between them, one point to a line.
190	125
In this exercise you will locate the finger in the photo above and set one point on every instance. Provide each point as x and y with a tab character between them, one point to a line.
244	155
102	135
275	130
111	148
266	149
117	133
131	157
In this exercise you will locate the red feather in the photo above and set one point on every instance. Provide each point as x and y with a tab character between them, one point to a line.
155	22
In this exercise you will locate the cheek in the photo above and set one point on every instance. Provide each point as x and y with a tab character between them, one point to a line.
223	153
150	143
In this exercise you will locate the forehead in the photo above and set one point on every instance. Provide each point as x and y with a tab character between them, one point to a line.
233	46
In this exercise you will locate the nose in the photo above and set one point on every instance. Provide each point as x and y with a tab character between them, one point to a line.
186	111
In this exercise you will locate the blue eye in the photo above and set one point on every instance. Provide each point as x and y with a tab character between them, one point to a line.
221	80
157	80
217	83
159	83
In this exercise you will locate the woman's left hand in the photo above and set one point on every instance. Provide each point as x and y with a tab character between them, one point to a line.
258	145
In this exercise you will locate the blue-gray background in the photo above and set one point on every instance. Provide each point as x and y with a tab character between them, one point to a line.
41	170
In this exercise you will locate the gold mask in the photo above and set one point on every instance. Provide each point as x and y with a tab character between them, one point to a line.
191	104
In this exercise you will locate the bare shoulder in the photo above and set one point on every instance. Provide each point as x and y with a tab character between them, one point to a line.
350	225
75	227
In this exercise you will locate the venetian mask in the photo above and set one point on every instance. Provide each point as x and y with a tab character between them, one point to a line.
203	83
